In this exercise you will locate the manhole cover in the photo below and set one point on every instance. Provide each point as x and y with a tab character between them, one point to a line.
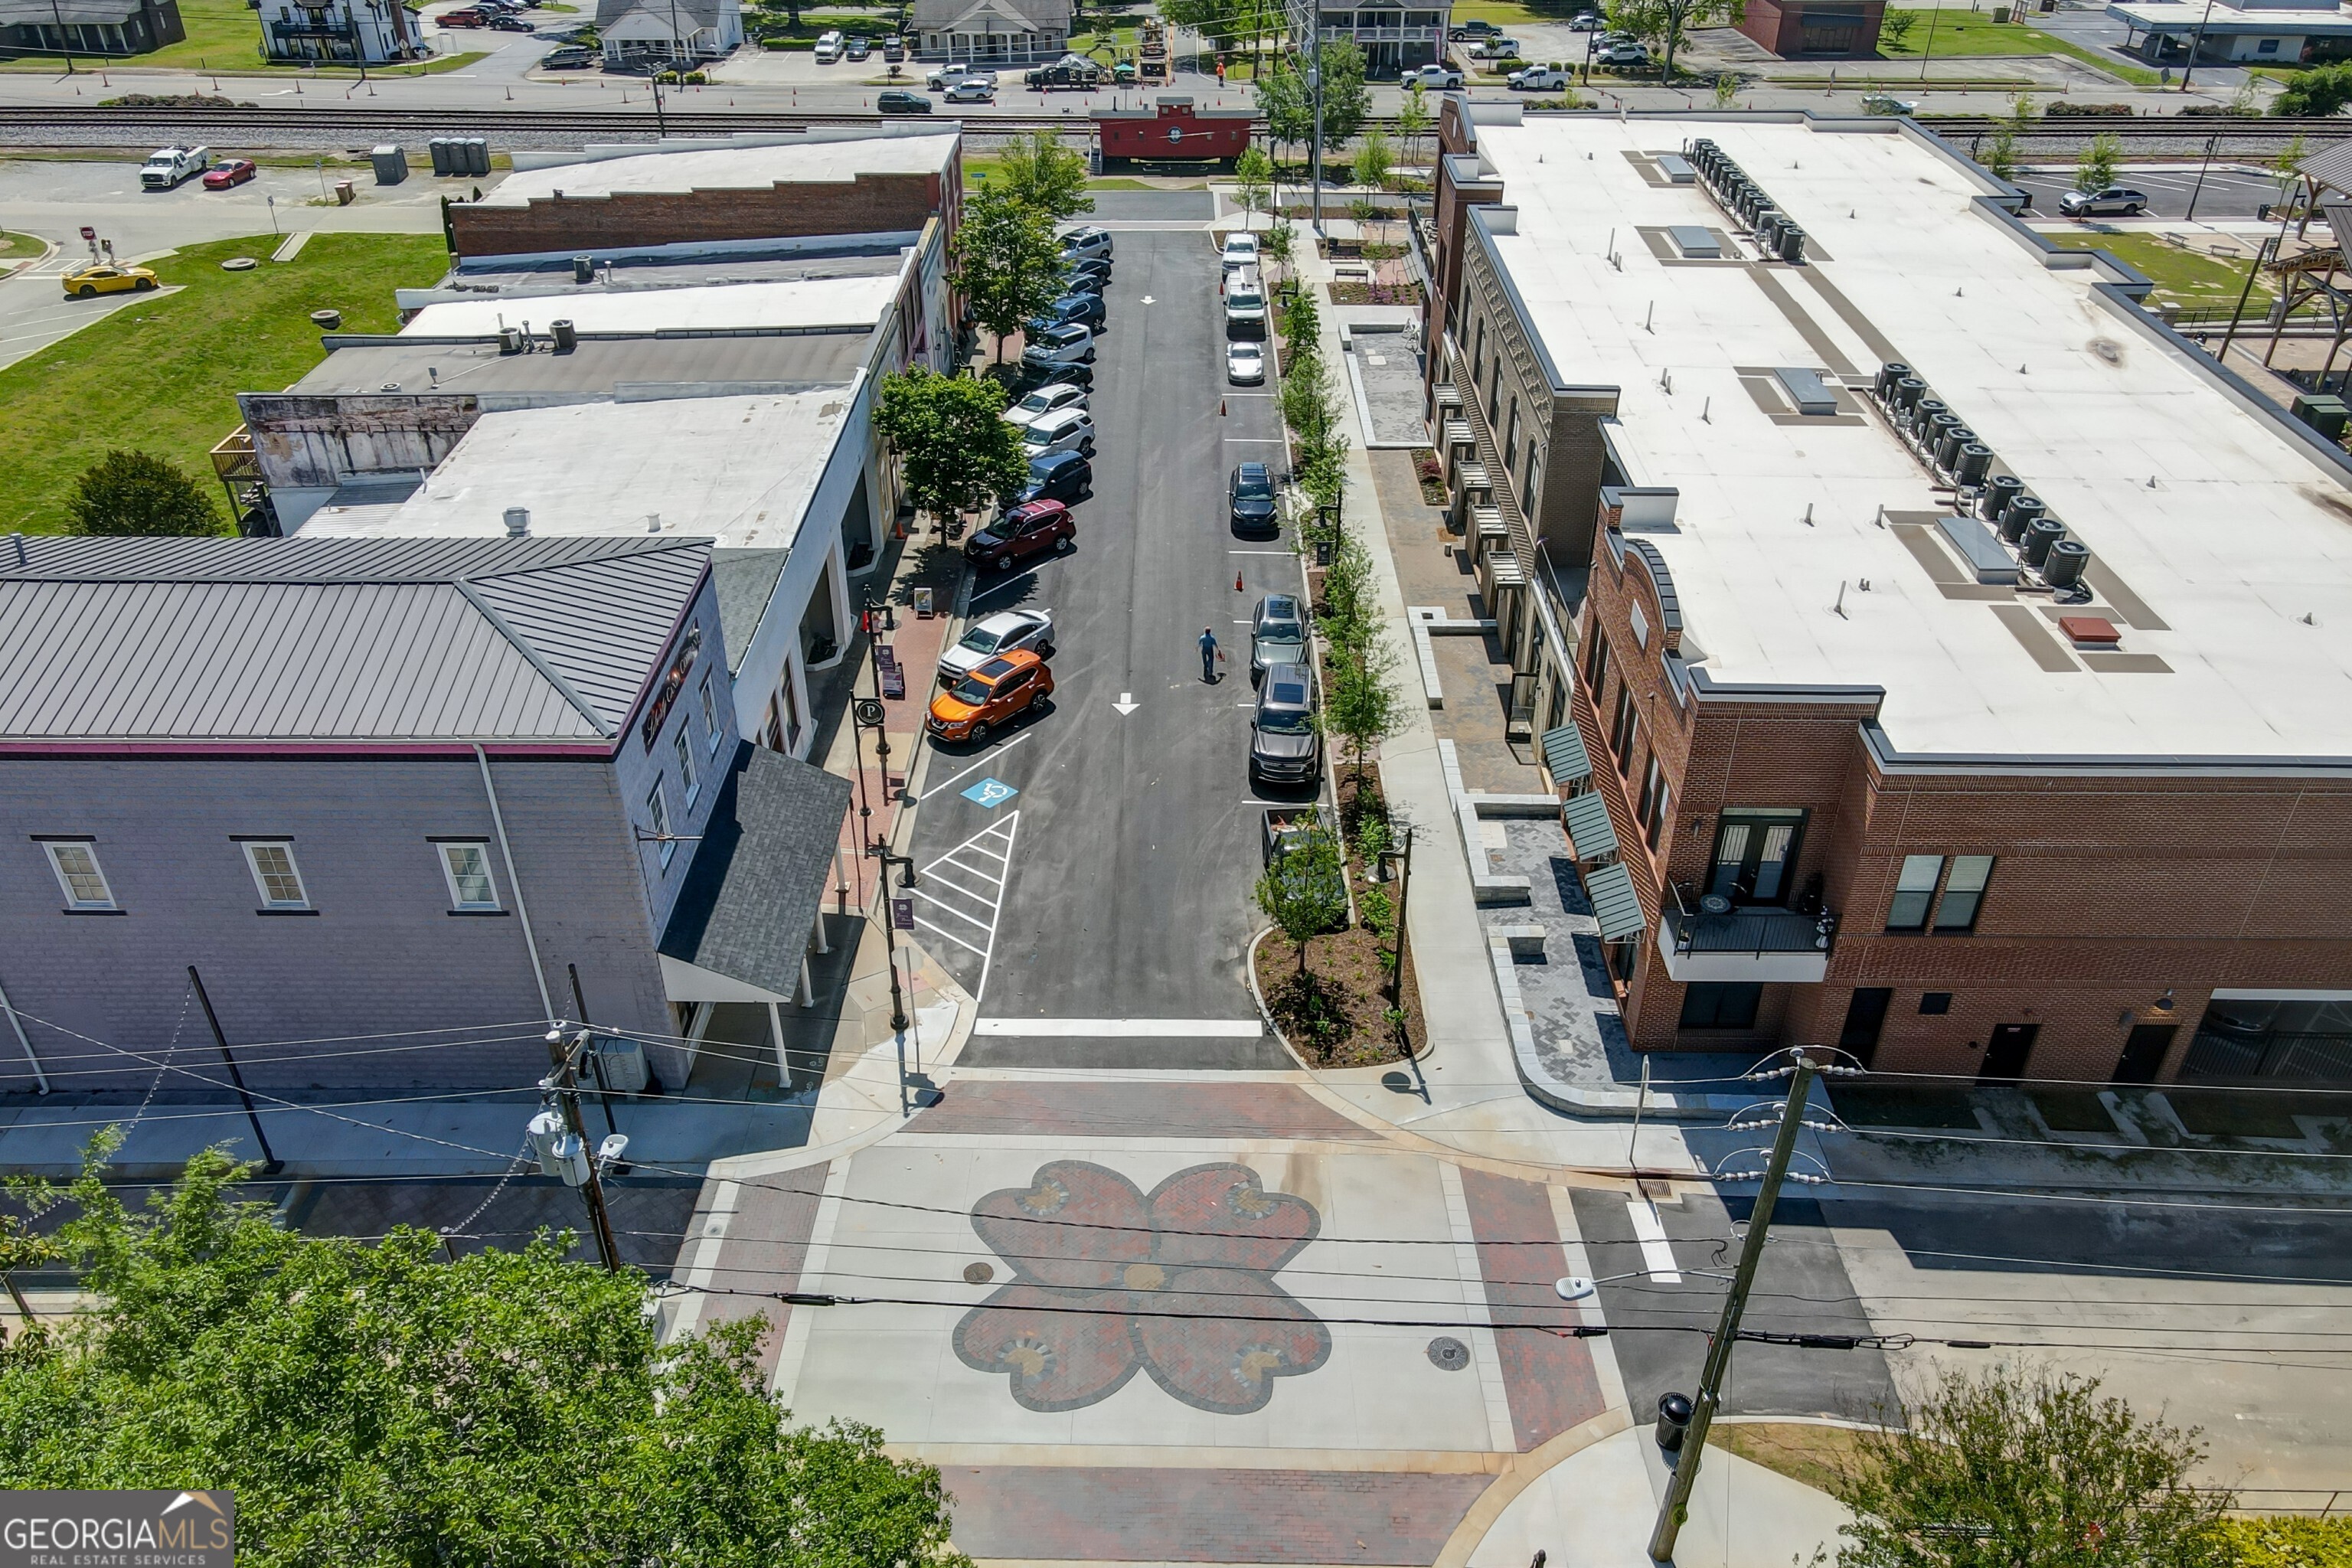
978	1273
239	264
1448	1354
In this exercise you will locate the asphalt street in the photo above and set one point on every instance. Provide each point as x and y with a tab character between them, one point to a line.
2226	192
1128	854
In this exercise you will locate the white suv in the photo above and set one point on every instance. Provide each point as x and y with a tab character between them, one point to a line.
1244	304
1045	400
1064	430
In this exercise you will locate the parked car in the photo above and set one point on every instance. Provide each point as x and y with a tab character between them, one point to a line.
1632	54
1472	29
894	48
1495	48
510	25
1083	283
1064	344
1087	241
2119	199
229	172
899	102
1065	476
1277	634
1051	398
1250	493
1064	430
941	76
1239	250
858	47
570	57
1031	375
998	634
464	16
1085	309
1245	308
1585	21
1083	75
1285	746
1094	267
997	692
1245	363
94	277
1435	78
1885	104
1033	528
169	168
970	90
1537	78
828	47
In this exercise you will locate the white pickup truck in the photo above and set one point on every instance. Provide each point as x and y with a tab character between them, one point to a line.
168	168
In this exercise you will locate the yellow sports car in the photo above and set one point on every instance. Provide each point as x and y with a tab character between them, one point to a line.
97	278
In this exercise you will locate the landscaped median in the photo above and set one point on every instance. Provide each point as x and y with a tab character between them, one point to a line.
162	376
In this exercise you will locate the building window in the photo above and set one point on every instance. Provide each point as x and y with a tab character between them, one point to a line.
1935	1003
1963	892
76	865
657	812
1478	357
1720	1005
710	725
1915	890
1625	730
1596	664
687	781
1653	809
467	868
1753	851
1528	493
275	873
1511	440
2267	47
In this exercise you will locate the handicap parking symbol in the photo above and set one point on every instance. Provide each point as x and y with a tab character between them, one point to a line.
991	793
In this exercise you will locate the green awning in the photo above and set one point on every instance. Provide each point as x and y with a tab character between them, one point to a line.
1613	900
1586	818
1565	757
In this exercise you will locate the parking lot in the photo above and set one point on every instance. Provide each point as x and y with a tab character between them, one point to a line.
1114	878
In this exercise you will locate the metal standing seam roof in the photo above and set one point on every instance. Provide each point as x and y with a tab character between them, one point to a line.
1616	904
336	639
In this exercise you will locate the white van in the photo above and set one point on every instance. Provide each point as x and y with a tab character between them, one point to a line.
828	47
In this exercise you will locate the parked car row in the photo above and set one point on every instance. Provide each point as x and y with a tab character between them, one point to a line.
833	46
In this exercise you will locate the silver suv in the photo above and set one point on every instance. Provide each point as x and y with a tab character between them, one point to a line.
1286	746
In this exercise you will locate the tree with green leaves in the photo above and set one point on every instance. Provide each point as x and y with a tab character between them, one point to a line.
1007	261
2017	1467
1253	178
1350	614
2316	93
2097	170
23	1248
1415	120
1360	701
375	1401
1304	891
1279	241
1374	161
1347	102
1289	107
956	451
1044	175
141	494
1665	25
1897	27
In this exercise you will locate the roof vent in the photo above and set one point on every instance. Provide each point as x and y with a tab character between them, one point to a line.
653	523
517	521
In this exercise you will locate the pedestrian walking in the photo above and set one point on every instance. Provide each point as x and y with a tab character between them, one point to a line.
1212	656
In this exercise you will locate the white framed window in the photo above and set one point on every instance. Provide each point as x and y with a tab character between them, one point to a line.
278	879
466	869
685	745
711	727
74	862
657	812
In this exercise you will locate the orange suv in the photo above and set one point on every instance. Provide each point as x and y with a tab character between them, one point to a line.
991	696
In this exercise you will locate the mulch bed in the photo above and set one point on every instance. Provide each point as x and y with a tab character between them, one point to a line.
1374	294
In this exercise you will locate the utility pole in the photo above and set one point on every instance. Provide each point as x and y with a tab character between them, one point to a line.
2197	189
2269	249
596	1058
564	1085
1676	1506
63	42
2196	46
1314	81
270	1163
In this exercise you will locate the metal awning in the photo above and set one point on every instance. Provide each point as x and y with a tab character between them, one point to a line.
1564	755
1590	832
1611	889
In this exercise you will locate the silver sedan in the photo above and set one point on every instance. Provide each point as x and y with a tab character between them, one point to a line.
1245	363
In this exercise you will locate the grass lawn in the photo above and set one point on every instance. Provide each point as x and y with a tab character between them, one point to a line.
1969	33
1815	1456
223	35
160	373
15	248
2191	276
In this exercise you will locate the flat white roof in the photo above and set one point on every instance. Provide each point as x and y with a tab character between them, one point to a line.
738	470
2178	15
723	168
2225	527
810	302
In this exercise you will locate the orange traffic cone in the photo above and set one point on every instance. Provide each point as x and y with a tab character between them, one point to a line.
1220	408
1238	582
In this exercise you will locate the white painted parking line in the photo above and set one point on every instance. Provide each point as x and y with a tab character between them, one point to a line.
970	767
1261	551
979	909
1125	1029
1657	1252
1013	581
1255	440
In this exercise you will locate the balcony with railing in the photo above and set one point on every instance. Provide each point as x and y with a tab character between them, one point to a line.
1720	941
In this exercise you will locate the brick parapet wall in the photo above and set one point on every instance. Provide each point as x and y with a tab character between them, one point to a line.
870	203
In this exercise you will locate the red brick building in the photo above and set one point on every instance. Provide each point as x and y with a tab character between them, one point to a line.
1815	29
1849	760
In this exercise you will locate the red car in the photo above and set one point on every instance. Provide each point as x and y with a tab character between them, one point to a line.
229	172
1032	528
461	18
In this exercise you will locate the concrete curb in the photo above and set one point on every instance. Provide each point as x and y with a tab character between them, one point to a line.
1264	1012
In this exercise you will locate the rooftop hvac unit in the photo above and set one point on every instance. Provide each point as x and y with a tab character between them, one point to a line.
567	337
623	1065
2018	516
2039	535
1908	391
1792	244
510	340
1999	490
1922	415
1947	450
584	270
2062	567
1882	385
1975	462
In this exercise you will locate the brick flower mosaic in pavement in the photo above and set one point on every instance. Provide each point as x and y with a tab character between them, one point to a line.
1109	1282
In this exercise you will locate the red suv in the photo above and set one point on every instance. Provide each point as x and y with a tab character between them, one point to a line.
1028	531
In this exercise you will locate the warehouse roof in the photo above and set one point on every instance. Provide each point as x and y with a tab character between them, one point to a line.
828	162
355	640
740	470
814	303
598	367
2220	534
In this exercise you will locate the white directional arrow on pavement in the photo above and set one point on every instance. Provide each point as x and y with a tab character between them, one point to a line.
1149	300
1126	704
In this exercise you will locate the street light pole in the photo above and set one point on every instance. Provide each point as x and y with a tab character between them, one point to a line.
1675	1508
64	46
2196	46
2197	188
